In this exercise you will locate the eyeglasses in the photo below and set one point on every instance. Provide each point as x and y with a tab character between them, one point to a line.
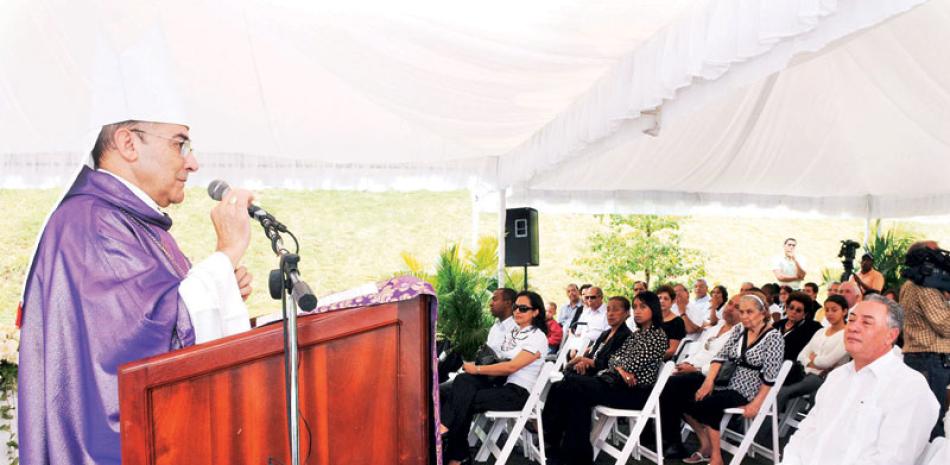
591	297
523	308
184	145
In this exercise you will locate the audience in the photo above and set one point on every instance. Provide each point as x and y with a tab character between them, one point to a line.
796	330
823	353
626	383
671	323
777	310
717	300
872	410
689	376
834	287
755	352
811	290
595	358
565	315
555	333
638	287
476	391
593	319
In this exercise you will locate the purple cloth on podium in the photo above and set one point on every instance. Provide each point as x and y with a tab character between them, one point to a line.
102	291
394	290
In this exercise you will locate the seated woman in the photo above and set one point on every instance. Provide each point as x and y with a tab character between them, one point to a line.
756	352
823	353
797	330
672	324
595	357
718	297
625	383
473	391
689	376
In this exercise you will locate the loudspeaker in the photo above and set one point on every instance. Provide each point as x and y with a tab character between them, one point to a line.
521	237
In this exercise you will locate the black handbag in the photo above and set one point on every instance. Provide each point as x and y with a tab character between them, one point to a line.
726	370
486	356
728	367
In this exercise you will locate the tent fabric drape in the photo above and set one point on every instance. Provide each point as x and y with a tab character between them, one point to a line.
549	98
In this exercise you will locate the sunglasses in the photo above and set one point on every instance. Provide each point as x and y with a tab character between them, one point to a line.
523	308
591	297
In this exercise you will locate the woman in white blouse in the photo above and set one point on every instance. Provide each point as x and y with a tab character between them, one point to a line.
823	353
477	390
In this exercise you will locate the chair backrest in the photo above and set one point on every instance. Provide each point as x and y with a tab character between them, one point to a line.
540	390
680	352
779	382
665	371
573	342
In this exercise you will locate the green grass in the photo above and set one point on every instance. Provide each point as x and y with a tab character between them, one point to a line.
351	238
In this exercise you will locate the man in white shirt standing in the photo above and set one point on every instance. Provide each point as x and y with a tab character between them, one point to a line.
789	268
872	410
593	320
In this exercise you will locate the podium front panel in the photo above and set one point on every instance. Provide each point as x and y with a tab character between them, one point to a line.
365	394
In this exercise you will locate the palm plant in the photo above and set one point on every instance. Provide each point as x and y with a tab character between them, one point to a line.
463	281
888	250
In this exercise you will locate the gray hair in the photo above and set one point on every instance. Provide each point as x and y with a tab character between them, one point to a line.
104	141
895	313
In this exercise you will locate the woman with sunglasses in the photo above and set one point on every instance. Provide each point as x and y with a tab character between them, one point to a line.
470	394
625	383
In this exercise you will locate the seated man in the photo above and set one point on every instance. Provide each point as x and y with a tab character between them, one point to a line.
872	410
593	320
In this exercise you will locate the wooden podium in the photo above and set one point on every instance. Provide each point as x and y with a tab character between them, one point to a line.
365	394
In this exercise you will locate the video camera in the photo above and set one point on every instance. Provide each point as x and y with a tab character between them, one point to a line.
928	267
846	254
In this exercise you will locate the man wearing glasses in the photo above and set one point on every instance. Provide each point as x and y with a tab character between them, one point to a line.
109	285
593	320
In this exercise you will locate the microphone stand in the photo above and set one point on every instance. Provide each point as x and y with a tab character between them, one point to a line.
283	282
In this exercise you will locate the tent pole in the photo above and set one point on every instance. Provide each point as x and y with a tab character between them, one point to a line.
475	228
867	221
502	209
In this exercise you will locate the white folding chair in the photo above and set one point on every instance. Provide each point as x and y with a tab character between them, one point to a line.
608	417
794	413
748	444
501	421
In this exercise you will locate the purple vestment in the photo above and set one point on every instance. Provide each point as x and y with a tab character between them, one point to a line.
102	291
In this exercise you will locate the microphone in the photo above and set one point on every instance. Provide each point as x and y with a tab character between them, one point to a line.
218	188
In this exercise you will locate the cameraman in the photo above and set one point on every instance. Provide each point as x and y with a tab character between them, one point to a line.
868	278
927	329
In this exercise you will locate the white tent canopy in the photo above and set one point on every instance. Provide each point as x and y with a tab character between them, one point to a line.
544	97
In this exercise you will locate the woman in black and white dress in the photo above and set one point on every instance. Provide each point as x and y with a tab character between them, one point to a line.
757	351
625	383
471	393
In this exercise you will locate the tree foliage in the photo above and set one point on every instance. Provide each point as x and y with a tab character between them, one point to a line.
637	247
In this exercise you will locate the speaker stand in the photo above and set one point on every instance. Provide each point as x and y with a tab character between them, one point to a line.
526	277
